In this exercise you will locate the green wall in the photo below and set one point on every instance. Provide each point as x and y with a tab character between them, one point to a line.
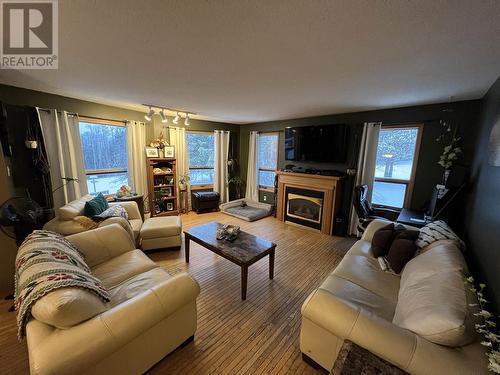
428	173
19	96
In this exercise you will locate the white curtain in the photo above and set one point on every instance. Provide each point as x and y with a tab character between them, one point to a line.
61	134
366	165
177	138
221	147
252	190
136	141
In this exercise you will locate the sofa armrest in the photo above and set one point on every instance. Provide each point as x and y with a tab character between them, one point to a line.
399	346
99	337
350	322
124	223
101	244
131	208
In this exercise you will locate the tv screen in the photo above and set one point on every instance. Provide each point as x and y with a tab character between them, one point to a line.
323	143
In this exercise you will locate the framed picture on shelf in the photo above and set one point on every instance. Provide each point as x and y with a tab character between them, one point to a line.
166	191
151	152
170	206
169	151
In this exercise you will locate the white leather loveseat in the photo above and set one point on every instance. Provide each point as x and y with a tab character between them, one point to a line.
66	221
358	302
150	313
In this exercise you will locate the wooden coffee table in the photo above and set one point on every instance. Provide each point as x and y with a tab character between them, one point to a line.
243	251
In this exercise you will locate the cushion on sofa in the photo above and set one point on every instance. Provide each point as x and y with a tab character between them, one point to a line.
382	240
437	308
433	300
435	231
96	206
112	211
402	249
66	307
441	256
123	267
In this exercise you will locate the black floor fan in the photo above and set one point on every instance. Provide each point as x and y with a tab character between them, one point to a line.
19	216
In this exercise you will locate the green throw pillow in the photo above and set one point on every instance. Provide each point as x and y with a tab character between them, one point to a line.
96	206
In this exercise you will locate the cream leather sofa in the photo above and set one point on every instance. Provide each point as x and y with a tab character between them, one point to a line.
357	302
65	222
150	313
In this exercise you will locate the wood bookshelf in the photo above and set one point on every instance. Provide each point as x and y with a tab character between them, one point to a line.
162	187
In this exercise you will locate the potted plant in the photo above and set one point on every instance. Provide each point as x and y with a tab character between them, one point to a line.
184	181
238	185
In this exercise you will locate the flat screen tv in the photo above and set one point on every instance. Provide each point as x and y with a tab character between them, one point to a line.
322	143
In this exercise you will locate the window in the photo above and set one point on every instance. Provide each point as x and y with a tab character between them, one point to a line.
104	145
201	158
267	159
397	154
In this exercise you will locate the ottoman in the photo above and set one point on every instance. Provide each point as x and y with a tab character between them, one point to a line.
161	232
205	200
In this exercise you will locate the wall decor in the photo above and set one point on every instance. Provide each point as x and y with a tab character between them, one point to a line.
494	157
170	206
151	152
169	151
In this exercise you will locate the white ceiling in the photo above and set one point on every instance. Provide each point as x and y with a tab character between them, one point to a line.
251	61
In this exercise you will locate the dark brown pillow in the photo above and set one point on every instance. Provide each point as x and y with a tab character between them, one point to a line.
403	249
382	240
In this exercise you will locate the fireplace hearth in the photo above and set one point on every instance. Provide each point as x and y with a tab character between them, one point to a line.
304	207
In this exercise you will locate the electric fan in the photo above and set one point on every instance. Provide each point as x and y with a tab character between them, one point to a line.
19	216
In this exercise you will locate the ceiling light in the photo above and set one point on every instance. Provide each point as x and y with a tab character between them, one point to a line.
163	117
148	116
186	120
176	119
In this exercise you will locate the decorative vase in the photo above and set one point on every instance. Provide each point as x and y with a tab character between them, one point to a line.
446	175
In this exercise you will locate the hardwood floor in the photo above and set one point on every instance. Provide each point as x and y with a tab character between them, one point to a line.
256	336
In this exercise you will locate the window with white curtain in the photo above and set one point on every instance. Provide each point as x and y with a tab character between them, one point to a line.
397	154
200	146
267	159
105	154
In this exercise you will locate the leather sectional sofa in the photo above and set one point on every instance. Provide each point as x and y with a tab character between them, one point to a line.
150	313
359	302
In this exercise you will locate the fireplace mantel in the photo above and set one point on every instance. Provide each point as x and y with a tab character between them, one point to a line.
330	186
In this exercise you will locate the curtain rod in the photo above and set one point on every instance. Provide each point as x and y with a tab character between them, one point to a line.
76	114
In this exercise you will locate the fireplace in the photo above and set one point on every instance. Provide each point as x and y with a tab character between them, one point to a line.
309	200
304	207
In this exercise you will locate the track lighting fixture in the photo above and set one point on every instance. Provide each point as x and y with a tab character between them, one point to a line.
148	116
176	119
163	111
163	117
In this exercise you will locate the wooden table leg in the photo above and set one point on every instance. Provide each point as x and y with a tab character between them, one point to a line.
186	247
244	281
271	264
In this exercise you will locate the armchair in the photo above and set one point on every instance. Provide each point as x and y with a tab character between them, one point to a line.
366	213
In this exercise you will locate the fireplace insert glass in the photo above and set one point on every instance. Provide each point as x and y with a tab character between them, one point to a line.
304	207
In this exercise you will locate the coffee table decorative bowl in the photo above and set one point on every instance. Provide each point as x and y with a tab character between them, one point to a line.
244	250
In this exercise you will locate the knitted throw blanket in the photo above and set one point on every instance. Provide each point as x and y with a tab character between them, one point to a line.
46	261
